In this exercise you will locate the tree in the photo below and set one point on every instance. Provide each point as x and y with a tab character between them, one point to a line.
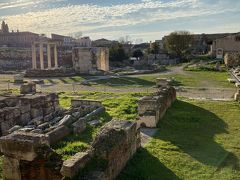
117	53
178	43
138	54
155	49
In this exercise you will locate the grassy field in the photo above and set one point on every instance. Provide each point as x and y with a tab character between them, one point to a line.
196	140
189	78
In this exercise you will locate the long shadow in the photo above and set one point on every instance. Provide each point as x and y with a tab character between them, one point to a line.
125	81
144	166
51	81
192	129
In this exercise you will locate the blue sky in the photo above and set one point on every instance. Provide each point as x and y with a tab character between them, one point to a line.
141	20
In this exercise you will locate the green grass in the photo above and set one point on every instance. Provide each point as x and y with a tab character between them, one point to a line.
196	140
189	78
118	106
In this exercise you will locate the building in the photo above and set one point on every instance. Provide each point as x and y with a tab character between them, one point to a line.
63	41
90	60
16	39
227	44
103	43
83	42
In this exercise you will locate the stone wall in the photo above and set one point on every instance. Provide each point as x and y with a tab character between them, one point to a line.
114	145
15	58
232	59
25	110
49	73
152	108
90	60
27	152
29	155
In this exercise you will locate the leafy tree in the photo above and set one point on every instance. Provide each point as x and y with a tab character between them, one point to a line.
138	54
117	53
178	43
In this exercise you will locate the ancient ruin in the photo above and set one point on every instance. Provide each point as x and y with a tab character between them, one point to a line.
28	155
33	122
41	45
152	108
232	59
90	60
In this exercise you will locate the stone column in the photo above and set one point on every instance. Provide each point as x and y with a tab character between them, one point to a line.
41	56
49	55
55	56
34	57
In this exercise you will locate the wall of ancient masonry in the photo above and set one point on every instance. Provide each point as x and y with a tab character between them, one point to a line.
29	156
115	144
90	60
25	110
232	59
152	108
27	152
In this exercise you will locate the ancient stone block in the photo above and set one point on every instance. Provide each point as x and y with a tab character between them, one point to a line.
66	120
152	108
78	103
25	118
11	169
58	134
22	145
79	126
71	167
29	88
36	112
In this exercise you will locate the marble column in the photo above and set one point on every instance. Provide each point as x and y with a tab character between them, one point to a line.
55	56
41	56
49	55
34	57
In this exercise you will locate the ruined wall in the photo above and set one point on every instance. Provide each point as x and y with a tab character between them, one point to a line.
23	109
115	144
27	152
15	58
232	59
152	108
29	156
89	60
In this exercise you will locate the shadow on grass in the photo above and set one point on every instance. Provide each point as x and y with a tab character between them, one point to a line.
192	129
51	81
145	166
125	81
176	83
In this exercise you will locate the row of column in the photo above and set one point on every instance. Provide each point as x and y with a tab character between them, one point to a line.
34	56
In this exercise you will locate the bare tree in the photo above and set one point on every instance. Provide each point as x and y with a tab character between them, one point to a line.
178	43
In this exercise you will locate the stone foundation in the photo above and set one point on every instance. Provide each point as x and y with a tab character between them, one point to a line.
152	108
49	73
29	155
114	145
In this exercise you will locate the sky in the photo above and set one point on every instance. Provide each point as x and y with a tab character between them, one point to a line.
139	20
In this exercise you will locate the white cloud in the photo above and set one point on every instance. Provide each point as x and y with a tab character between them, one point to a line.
91	18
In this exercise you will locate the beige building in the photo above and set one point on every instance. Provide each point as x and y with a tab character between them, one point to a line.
228	44
90	60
